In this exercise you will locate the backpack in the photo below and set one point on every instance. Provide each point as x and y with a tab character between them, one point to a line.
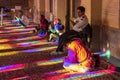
96	58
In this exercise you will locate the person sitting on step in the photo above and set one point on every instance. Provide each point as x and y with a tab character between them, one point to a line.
43	32
56	30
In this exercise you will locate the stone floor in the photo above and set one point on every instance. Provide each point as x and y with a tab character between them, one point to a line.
24	56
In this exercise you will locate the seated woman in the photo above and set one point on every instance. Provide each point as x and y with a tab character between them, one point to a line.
23	18
79	57
56	30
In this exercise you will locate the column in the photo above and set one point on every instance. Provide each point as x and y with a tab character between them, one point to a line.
1	21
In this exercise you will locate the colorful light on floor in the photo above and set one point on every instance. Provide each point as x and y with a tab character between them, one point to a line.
40	49
12	67
50	62
27	38
32	43
8	53
53	75
7	28
5	46
104	53
64	75
14	34
21	78
107	54
4	40
17	30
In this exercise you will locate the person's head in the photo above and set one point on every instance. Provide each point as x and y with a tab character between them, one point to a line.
80	11
57	20
42	16
20	13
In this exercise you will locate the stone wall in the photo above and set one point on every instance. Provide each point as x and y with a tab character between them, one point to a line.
111	36
104	16
93	11
110	29
114	38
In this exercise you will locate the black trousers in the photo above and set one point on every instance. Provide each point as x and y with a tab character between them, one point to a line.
66	37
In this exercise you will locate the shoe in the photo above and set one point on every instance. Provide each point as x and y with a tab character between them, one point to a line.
34	31
53	53
56	53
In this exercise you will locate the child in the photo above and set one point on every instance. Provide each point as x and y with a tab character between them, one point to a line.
79	57
56	29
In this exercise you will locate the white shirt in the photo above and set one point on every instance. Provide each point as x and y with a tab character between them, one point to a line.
25	20
81	22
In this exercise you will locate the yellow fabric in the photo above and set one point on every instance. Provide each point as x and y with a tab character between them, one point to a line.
81	52
77	67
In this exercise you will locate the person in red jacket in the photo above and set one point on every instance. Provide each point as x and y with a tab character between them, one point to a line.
44	22
44	27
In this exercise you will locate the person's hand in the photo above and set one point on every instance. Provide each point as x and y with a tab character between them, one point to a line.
72	21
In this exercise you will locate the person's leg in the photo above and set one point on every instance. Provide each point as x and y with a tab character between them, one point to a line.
63	38
75	67
67	35
38	28
55	36
61	43
51	37
84	39
21	23
47	35
42	33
